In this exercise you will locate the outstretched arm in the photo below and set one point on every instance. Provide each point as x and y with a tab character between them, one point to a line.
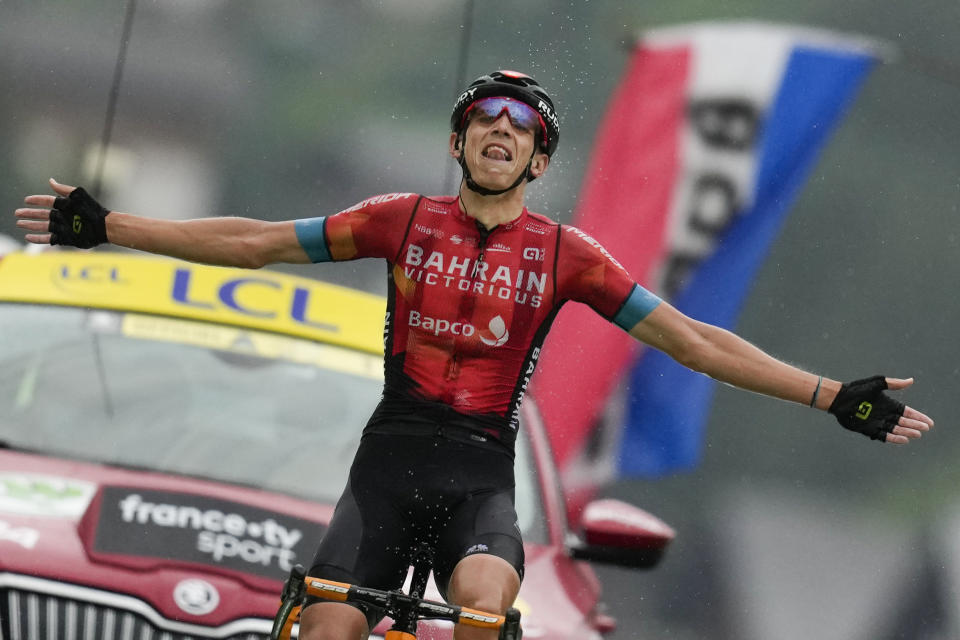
237	242
728	358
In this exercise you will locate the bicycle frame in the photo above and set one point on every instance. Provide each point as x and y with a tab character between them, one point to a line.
406	610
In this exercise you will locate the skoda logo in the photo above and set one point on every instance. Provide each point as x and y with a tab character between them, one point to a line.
196	597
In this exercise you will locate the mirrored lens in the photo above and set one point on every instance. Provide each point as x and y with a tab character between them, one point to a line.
521	115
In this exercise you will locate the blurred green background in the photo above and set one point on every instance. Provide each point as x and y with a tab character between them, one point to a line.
791	527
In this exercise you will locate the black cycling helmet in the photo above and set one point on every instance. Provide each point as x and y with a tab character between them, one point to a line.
510	84
507	84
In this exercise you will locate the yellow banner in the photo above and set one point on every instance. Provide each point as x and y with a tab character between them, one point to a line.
262	300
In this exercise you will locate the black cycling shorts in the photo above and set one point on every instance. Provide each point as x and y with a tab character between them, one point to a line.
407	490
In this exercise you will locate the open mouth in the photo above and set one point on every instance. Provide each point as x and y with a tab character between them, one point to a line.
497	152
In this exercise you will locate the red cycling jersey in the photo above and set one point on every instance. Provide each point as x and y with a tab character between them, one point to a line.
468	309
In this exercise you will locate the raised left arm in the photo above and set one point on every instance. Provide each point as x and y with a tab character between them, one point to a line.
726	357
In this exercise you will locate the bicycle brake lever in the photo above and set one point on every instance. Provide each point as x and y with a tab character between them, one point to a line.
291	596
511	626
294	586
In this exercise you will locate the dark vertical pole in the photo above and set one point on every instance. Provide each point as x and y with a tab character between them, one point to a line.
112	99
97	184
451	180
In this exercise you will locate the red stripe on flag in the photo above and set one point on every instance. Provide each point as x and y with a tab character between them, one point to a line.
626	198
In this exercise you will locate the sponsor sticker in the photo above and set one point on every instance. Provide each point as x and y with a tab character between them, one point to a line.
23	536
194	528
42	495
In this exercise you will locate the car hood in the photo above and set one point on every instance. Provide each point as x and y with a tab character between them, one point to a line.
191	549
200	552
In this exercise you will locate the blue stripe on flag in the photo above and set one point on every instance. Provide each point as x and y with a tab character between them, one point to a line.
669	404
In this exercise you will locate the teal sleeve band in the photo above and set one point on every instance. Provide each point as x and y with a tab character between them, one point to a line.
638	306
310	233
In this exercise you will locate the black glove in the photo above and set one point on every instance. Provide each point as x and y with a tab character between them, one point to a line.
862	406
78	220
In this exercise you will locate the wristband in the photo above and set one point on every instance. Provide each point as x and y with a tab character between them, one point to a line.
816	392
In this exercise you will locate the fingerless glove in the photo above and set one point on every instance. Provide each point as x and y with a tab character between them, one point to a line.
78	221
862	406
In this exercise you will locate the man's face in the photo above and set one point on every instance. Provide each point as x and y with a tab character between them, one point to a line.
497	149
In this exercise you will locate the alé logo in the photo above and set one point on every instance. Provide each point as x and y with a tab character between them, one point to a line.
495	335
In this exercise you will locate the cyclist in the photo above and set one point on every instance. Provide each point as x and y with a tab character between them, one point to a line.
475	281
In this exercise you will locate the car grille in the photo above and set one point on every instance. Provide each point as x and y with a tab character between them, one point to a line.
67	612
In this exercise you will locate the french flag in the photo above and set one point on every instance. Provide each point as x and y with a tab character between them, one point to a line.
707	141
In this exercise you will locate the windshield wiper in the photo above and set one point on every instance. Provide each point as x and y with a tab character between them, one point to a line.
102	376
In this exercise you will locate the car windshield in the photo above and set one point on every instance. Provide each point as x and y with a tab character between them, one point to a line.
193	398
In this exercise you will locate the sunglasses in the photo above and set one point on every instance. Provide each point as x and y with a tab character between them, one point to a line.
521	115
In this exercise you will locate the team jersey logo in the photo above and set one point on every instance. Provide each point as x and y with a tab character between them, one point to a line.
534	253
498	330
387	197
596	245
479	277
495	335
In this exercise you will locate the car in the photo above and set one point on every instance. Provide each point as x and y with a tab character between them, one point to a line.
173	439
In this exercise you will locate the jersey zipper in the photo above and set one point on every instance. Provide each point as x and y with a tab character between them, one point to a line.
465	312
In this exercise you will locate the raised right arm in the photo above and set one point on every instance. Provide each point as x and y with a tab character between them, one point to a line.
235	242
231	242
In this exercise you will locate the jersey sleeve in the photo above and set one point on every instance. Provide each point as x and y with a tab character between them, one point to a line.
587	273
373	228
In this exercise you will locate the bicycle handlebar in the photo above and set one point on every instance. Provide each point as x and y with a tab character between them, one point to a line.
425	609
396	604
